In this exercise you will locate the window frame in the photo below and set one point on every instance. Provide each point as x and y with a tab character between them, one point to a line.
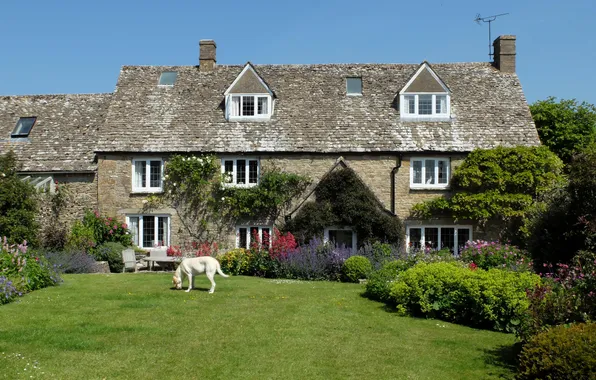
247	182
433	116
159	84
345	228
455	227
156	217
14	133
347	86
256	116
147	189
248	228
436	185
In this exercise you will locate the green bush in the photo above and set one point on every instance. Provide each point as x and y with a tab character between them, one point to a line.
112	253
379	282
18	204
235	262
493	299
355	268
560	353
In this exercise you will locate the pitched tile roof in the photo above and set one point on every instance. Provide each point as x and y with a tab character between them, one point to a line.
312	112
65	133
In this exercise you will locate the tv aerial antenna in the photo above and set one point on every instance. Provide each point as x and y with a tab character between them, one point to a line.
488	19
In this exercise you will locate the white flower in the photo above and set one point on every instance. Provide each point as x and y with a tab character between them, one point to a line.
183	158
3	175
223	198
174	184
165	176
145	201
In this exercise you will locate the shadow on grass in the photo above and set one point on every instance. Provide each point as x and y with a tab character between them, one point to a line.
505	356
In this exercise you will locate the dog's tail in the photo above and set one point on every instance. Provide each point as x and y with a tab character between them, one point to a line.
220	272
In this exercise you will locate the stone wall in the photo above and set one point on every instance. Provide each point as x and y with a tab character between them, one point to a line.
116	198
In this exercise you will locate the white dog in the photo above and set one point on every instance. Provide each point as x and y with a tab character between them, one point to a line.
195	266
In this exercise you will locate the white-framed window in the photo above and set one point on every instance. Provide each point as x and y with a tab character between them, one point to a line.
425	106
341	237
167	78
147	175
149	231
247	235
438	237
354	86
240	171
248	106
429	173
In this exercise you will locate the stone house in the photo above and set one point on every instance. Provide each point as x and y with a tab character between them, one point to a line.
401	127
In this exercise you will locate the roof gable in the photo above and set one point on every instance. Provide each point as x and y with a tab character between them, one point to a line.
248	82
425	80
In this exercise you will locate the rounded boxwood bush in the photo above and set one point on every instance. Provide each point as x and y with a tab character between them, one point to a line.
355	268
379	282
112	253
235	262
560	353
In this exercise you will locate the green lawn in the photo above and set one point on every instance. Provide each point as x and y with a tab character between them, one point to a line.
136	326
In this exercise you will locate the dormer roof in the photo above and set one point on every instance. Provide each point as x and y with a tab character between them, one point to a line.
425	80
248	82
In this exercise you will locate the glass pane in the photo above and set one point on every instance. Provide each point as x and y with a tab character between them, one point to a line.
155	174
242	242
463	235
149	231
229	171
443	172
441	106
410	106
415	237
341	238
168	78
253	171
417	171
263	105
266	232
429	175
23	126
254	235
140	175
431	237
354	85
248	106
448	238
425	104
133	227
241	171
162	228
235	106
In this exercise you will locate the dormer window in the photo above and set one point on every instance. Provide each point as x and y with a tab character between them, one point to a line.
249	106
425	97
23	127
167	78
249	98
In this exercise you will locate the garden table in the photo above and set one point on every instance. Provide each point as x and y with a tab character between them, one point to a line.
160	259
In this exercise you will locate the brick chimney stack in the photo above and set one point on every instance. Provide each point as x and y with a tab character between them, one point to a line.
504	53
207	55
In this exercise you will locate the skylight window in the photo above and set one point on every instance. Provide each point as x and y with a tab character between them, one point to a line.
354	86
23	127
167	78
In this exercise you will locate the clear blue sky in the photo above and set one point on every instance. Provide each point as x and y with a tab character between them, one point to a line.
51	46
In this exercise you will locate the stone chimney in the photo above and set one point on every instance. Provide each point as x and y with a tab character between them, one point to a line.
207	55
504	53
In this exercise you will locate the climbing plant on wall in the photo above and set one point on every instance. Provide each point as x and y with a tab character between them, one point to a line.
343	200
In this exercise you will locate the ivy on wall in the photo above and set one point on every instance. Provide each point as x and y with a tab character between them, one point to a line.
500	185
343	200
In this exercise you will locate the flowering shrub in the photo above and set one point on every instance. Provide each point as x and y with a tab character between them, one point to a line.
314	261
487	255
493	299
380	253
21	271
174	250
282	244
568	294
96	230
71	261
235	262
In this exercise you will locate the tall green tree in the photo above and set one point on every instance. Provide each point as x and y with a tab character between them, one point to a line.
18	204
566	126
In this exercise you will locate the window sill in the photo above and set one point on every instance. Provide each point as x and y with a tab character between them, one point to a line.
239	185
445	187
415	118
249	118
146	191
